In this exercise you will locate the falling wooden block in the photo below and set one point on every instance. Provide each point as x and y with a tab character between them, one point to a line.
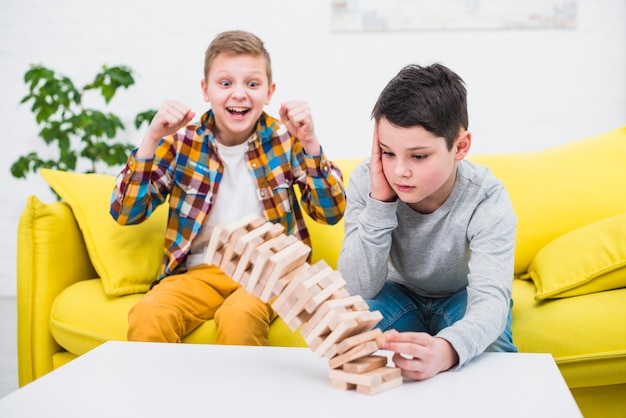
229	249
318	324
282	282
365	364
361	350
350	342
344	329
283	262
308	289
284	300
265	231
221	235
336	284
366	321
244	263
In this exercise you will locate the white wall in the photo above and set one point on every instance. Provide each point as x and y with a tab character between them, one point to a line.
528	89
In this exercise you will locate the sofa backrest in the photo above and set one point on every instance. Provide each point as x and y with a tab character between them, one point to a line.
562	188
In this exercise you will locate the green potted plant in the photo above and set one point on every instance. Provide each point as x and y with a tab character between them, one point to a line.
79	133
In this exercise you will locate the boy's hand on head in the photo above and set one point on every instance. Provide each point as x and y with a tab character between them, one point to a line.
419	355
296	116
381	190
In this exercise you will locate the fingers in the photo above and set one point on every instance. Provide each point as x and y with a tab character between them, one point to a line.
418	354
173	113
375	143
170	118
297	113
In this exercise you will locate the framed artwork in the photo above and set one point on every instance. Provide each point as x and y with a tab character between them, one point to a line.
407	15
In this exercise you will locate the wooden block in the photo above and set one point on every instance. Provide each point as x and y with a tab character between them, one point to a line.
244	263
252	234
285	297
298	306
215	244
260	268
365	364
318	324
342	304
374	390
247	223
274	245
361	350
366	320
341	331
303	294
282	282
326	293
355	303
229	247
283	262
341	385
289	258
370	378
313	281
350	342
302	318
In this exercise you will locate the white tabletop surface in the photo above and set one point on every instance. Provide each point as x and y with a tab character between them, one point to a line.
120	379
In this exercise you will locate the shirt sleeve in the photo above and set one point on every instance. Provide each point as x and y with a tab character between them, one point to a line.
138	190
322	190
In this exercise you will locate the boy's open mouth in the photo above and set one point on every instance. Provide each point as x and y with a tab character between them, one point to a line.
238	110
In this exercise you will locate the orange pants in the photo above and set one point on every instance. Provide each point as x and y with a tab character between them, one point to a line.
180	303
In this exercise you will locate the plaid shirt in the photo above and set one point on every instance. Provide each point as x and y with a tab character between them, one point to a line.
187	168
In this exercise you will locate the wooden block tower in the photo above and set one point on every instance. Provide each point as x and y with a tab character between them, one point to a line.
309	298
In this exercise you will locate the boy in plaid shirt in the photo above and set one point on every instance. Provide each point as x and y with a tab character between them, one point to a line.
235	161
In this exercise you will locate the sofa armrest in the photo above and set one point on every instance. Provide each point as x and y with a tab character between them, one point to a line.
51	256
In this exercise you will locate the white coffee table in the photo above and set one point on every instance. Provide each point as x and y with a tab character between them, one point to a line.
120	379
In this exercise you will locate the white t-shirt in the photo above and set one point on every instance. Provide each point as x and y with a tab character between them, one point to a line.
236	198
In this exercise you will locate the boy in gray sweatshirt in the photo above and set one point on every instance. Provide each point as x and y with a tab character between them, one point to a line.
429	236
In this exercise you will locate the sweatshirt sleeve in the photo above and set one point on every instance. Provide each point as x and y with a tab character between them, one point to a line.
491	237
368	226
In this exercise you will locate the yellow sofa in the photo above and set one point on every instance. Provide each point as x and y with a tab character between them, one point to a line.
78	273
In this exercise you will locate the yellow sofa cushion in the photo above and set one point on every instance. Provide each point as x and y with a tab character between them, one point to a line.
83	317
125	263
589	259
584	334
553	192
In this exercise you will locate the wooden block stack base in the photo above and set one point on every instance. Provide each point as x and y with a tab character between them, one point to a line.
309	298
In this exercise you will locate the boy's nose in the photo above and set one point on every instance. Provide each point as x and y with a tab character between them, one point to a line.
239	91
402	170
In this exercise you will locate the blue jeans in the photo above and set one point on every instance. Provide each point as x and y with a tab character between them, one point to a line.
404	310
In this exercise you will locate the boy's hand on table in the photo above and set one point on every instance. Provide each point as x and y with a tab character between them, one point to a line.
419	355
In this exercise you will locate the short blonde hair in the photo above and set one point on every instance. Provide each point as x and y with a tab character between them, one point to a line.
237	42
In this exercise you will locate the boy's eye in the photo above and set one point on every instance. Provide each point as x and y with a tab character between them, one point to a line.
253	84
419	156
388	153
224	83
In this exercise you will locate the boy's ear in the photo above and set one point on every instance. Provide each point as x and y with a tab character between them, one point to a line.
270	93
462	145
205	91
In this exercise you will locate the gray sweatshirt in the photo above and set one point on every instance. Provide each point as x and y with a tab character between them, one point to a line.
468	243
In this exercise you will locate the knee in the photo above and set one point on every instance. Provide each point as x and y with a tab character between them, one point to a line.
148	322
